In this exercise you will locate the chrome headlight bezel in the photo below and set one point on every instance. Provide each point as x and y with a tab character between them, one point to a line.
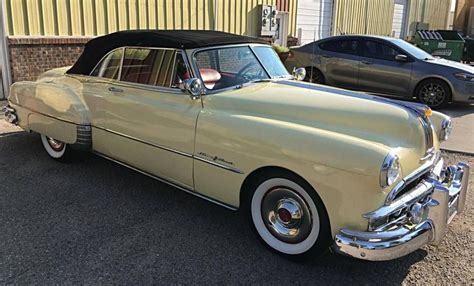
446	129
390	171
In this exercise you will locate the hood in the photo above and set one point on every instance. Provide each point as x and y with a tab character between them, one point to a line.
388	123
451	64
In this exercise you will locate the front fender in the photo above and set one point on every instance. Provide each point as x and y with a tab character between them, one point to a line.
343	170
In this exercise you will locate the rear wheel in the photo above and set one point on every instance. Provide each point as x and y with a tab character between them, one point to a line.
314	75
289	217
56	149
433	92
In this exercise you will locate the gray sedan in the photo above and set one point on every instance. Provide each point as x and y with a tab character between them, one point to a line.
385	66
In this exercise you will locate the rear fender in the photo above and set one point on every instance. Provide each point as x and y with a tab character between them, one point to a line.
50	109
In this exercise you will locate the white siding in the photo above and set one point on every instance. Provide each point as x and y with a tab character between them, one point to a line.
314	18
399	18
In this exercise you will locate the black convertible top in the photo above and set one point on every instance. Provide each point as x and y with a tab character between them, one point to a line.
179	39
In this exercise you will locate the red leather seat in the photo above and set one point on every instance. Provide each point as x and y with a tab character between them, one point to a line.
209	77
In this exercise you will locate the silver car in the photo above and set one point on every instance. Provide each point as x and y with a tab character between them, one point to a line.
385	66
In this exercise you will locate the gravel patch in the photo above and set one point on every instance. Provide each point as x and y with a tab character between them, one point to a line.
452	262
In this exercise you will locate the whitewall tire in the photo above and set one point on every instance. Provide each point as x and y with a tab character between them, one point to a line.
289	216
55	148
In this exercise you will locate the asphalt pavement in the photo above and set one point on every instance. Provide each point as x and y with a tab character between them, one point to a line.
95	222
462	137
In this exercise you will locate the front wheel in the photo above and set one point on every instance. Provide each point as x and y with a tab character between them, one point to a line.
433	92
289	217
56	149
314	75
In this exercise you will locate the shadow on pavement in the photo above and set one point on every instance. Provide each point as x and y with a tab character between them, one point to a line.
457	109
95	221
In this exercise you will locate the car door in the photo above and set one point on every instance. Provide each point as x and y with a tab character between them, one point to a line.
380	72
146	120
339	62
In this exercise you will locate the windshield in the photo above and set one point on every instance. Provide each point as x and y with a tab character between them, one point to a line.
233	66
412	50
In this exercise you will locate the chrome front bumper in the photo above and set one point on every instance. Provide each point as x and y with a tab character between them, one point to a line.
415	219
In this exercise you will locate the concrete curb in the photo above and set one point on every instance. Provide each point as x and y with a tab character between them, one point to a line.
458	151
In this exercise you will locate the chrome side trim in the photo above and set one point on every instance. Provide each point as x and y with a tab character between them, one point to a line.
186	189
145	142
228	168
189	155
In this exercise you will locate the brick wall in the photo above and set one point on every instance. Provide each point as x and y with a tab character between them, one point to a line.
31	56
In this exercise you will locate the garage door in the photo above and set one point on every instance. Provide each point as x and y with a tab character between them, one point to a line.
399	19
314	18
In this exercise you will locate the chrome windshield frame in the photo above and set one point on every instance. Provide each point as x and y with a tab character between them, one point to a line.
195	67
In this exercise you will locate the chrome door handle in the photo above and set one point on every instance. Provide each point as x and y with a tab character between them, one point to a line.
366	62
114	89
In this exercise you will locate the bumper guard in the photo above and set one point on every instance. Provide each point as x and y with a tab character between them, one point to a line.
429	208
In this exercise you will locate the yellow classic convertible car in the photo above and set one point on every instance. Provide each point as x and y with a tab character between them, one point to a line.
217	115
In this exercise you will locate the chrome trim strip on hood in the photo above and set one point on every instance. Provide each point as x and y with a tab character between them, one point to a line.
417	109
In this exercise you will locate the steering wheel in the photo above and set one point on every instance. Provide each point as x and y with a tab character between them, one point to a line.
240	73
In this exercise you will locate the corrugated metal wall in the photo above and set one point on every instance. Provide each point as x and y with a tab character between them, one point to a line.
364	17
432	14
376	16
96	17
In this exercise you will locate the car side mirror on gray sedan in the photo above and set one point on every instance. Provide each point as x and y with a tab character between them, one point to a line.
402	58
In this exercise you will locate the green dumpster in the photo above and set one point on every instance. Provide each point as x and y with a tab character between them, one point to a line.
441	43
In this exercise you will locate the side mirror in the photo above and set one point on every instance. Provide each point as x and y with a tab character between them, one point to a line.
193	86
299	73
402	58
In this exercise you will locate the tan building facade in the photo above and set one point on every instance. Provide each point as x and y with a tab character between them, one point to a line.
317	19
464	17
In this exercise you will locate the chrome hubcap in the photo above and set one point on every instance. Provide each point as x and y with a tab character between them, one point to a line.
432	94
55	144
286	215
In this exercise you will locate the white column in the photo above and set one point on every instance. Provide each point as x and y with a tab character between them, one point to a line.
4	59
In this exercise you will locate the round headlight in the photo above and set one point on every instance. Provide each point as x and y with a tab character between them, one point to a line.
446	128
390	171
